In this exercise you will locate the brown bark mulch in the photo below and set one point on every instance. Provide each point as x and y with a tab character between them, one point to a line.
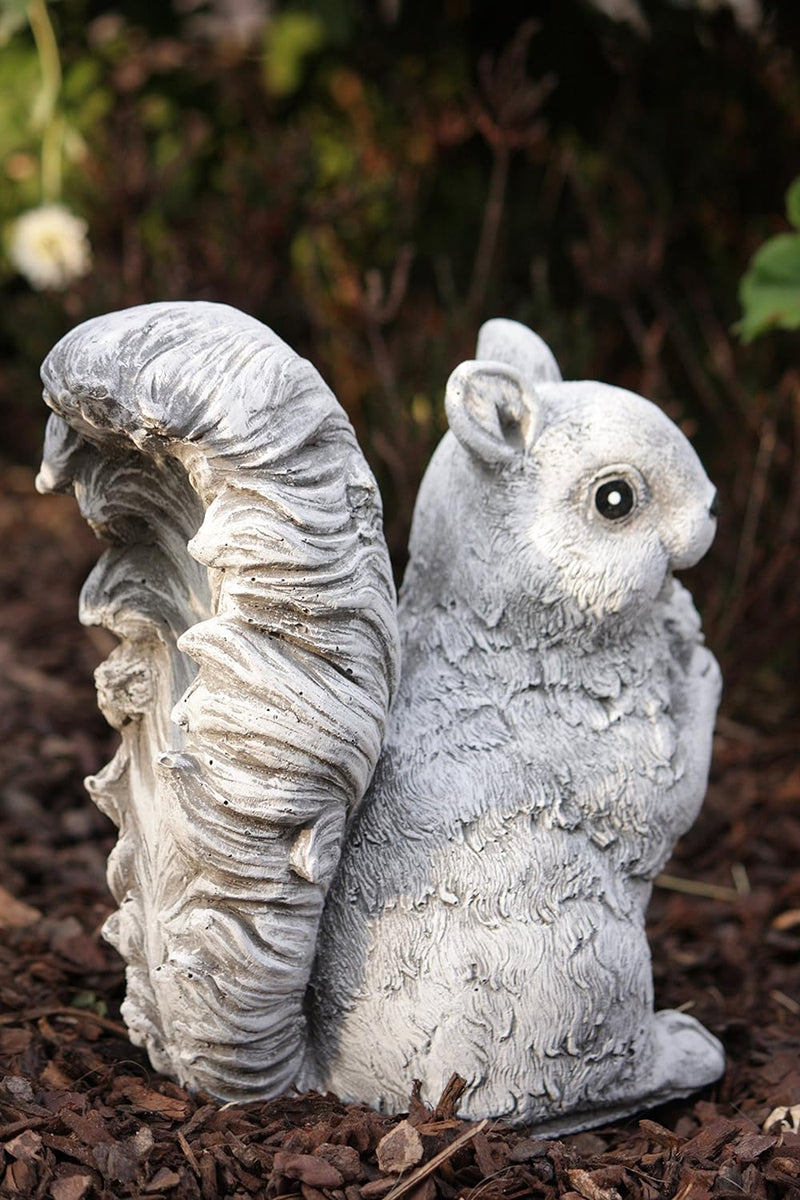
82	1114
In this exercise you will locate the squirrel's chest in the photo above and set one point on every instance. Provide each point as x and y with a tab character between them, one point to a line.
504	786
509	811
545	737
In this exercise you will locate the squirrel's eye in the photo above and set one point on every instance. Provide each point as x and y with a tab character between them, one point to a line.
614	499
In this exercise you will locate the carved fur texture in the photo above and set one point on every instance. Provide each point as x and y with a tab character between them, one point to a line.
250	588
549	741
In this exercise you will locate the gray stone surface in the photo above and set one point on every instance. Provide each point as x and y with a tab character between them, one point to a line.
249	584
548	743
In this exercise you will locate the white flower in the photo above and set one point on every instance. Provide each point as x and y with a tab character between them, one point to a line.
48	245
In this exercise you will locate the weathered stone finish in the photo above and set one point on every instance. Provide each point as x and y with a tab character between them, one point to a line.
481	909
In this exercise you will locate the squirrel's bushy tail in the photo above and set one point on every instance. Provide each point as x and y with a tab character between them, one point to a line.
250	588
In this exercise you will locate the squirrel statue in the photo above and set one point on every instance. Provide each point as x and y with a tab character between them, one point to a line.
328	878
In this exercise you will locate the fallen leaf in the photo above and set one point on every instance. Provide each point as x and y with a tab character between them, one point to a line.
412	1181
399	1149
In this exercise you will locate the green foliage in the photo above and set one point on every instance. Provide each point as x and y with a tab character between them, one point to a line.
770	290
45	117
793	203
91	1001
291	38
21	82
13	17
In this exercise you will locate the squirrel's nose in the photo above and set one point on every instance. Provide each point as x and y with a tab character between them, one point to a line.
713	507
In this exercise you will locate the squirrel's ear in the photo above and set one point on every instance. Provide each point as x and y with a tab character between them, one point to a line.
490	410
512	343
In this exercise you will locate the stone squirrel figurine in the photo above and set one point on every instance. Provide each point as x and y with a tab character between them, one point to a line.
309	895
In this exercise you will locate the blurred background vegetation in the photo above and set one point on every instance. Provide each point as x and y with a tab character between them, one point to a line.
373	178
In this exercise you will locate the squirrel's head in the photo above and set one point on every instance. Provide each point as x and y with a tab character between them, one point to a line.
602	495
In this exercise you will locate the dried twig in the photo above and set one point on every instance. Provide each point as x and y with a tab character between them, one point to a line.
7	1131
188	1153
696	887
680	340
379	308
507	117
785	1001
485	1184
492	219
448	1101
379	305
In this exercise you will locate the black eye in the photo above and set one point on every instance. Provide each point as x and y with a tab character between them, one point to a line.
614	499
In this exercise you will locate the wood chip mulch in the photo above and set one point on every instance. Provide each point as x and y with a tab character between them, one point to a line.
84	1117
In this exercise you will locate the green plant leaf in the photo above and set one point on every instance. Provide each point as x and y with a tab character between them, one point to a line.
770	290
13	16
291	37
21	82
90	1000
793	203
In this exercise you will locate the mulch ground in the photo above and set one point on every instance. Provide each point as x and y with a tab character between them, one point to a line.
82	1114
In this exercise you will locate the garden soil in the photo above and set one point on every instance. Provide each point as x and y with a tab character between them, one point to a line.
82	1114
